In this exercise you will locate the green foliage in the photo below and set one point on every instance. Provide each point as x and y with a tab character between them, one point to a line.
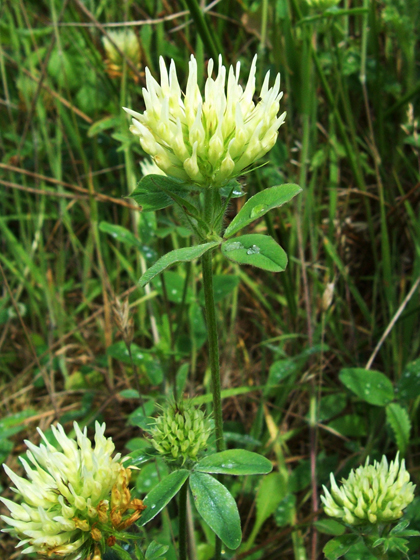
351	425
408	386
397	417
330	527
281	369
9	426
154	192
217	507
121	234
162	494
120	553
271	491
371	386
285	511
155	551
257	250
140	357
179	255
331	405
223	285
235	462
176	287
150	474
261	203
338	547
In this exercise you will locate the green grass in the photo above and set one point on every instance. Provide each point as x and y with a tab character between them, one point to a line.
68	161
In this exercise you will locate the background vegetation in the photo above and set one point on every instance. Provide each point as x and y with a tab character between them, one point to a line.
71	242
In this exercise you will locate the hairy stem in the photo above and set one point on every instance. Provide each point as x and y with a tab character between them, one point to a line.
183	521
377	551
213	347
213	342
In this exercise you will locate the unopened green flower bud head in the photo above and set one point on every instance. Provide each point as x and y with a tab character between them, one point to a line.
207	140
371	494
181	432
74	501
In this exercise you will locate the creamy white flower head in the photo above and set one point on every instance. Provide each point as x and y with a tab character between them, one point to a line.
375	493
65	496
211	138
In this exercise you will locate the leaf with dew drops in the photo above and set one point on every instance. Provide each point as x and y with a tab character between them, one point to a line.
257	250
260	204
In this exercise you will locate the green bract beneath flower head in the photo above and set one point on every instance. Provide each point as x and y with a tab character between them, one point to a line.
373	494
181	432
207	140
74	501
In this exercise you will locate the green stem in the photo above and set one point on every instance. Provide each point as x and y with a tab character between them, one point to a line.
217	549
210	308
380	554
377	551
183	521
213	343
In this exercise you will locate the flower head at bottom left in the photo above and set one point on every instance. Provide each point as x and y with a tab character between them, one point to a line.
74	501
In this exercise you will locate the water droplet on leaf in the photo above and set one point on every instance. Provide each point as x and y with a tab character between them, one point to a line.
254	250
258	210
234	246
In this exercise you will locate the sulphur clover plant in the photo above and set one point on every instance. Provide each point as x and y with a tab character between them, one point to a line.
74	501
201	144
369	502
180	434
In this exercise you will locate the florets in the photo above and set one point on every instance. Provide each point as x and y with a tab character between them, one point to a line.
210	139
181	432
74	501
371	494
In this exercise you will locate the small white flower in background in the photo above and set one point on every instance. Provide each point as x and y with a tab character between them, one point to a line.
127	42
327	296
375	493
207	139
73	501
129	45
